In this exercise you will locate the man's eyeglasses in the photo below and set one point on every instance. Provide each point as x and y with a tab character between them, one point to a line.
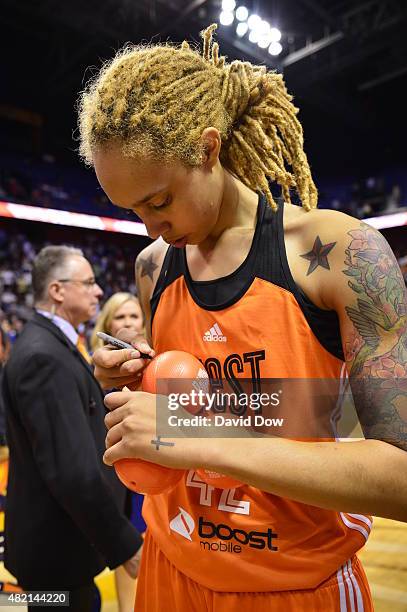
89	283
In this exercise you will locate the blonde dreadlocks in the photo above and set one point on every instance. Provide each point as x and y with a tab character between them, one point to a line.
157	100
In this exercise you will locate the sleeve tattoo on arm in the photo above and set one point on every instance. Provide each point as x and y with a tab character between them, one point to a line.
376	349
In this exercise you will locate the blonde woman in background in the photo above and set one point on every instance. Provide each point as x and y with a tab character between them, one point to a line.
122	310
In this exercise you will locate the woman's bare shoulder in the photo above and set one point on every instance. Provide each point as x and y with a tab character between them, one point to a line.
297	217
148	266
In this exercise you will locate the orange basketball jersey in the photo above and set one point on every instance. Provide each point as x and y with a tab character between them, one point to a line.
254	324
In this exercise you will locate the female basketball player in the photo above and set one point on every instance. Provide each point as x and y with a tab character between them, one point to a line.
254	290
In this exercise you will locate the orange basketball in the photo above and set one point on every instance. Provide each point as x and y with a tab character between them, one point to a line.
146	477
218	480
178	370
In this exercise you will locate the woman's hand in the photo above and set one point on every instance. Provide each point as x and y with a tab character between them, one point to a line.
115	368
132	425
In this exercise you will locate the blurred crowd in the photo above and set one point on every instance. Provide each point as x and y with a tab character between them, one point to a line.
370	197
113	266
46	183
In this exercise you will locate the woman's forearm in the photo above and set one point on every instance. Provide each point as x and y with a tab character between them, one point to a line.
367	476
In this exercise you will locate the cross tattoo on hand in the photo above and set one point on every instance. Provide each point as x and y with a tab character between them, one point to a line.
158	443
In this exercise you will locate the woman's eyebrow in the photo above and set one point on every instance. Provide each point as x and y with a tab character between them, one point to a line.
148	197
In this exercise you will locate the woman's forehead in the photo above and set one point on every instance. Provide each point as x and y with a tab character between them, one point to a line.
128	306
129	181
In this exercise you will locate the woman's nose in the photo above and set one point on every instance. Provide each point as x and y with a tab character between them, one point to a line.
156	229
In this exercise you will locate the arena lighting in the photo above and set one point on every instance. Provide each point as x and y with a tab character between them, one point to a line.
264	41
242	13
385	221
262	33
226	18
254	21
242	28
70	219
228	5
275	35
254	36
263	27
61	217
275	48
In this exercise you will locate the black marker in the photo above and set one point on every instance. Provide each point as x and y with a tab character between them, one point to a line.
120	344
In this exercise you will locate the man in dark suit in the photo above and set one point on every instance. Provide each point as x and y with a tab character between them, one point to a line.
4	350
64	524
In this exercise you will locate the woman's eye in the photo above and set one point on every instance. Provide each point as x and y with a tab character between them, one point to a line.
166	202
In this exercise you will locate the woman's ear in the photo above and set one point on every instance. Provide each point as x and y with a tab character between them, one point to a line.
211	144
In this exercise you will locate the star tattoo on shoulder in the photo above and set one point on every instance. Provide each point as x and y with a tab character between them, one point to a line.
319	255
147	266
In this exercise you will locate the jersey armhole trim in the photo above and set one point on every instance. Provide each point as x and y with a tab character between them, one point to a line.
160	284
299	295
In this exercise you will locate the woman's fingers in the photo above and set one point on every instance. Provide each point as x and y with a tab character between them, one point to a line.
108	357
114	368
143	347
137	340
118	398
116	416
134	366
113	436
110	383
114	453
119	367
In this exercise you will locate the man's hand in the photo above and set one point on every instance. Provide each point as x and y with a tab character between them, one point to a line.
132	565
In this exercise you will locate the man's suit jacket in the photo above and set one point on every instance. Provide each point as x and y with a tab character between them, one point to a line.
63	522
3	440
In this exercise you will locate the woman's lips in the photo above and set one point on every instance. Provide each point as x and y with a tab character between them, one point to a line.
180	243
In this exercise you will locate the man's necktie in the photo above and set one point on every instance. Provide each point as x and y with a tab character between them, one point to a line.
81	346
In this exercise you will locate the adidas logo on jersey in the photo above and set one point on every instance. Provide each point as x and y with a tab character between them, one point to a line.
214	334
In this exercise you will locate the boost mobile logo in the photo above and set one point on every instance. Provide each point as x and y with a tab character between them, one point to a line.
183	524
255	539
